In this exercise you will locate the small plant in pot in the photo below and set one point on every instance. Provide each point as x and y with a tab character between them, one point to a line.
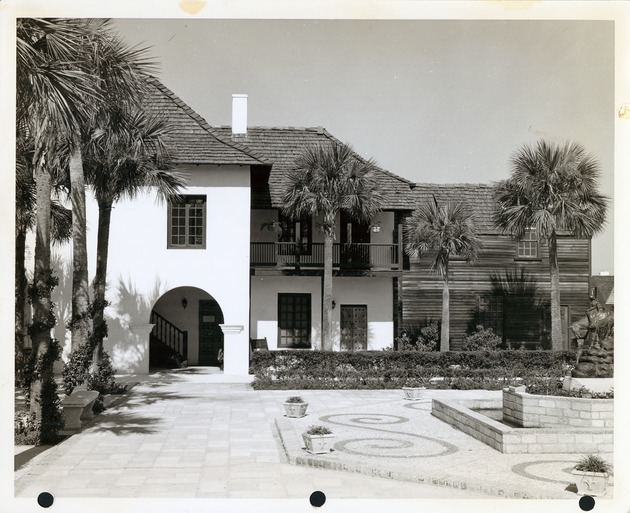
591	474
318	440
295	407
413	388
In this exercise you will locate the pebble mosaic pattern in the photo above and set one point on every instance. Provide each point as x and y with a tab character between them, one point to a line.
398	444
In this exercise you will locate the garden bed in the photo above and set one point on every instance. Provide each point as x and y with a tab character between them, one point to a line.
460	370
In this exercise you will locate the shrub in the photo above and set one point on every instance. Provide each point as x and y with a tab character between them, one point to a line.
301	370
26	428
482	338
318	430
426	338
593	463
103	379
294	399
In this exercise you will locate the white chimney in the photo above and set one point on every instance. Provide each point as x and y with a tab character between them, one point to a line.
239	114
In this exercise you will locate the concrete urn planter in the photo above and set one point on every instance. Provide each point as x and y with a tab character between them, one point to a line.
413	393
295	410
590	483
318	444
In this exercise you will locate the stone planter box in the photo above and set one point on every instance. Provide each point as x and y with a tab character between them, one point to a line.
590	483
295	410
413	393
528	410
318	444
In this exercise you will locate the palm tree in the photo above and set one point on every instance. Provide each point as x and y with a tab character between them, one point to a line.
444	231
121	160
25	212
53	90
326	180
553	188
121	72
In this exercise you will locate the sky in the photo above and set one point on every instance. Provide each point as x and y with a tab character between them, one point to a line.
443	101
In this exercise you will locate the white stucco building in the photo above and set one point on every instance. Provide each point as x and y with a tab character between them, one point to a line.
206	272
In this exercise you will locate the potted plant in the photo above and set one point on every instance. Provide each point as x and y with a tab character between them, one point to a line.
591	474
413	388
318	439
295	407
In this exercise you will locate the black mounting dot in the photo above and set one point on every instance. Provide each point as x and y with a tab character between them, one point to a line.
317	499
587	503
45	499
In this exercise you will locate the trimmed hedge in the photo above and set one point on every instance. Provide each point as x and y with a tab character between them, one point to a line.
390	369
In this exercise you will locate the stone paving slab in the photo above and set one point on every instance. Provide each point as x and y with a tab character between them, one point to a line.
186	435
148	445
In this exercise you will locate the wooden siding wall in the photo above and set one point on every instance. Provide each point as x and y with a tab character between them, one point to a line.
422	290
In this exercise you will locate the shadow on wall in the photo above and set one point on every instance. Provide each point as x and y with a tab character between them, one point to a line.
129	308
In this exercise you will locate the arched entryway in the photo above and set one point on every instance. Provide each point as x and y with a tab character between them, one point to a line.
187	329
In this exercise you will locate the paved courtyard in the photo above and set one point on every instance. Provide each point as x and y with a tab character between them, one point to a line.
186	434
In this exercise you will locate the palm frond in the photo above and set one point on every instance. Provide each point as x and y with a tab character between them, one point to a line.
553	188
329	178
444	230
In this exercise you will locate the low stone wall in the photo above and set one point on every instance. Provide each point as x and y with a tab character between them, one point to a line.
528	410
516	440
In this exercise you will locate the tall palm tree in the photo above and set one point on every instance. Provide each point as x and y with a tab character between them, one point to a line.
121	160
326	180
52	91
553	188
25	212
444	231
121	72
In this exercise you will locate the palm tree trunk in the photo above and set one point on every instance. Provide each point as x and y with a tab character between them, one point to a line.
20	287
556	321
80	286
100	278
40	334
327	295
445	332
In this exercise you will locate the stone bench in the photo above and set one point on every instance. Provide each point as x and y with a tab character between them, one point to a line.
77	407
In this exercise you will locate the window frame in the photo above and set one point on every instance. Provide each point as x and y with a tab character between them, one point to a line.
530	241
186	201
305	342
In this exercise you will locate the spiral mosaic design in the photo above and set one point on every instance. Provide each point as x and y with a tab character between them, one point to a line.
390	443
523	469
419	405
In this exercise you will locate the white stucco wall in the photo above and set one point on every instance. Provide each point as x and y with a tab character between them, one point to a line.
141	268
376	293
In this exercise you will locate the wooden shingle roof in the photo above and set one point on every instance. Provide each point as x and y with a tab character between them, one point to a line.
477	196
281	145
191	140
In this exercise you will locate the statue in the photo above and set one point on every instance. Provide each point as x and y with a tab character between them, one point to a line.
597	328
597	323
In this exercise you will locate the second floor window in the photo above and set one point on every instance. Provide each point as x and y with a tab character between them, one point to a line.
187	222
527	247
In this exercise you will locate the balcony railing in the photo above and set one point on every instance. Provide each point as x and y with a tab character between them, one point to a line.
345	256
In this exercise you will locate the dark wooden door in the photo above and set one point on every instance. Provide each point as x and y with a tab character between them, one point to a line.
353	327
210	333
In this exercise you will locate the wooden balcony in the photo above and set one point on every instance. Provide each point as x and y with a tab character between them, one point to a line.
291	255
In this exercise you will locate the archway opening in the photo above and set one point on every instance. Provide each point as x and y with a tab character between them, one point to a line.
187	329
